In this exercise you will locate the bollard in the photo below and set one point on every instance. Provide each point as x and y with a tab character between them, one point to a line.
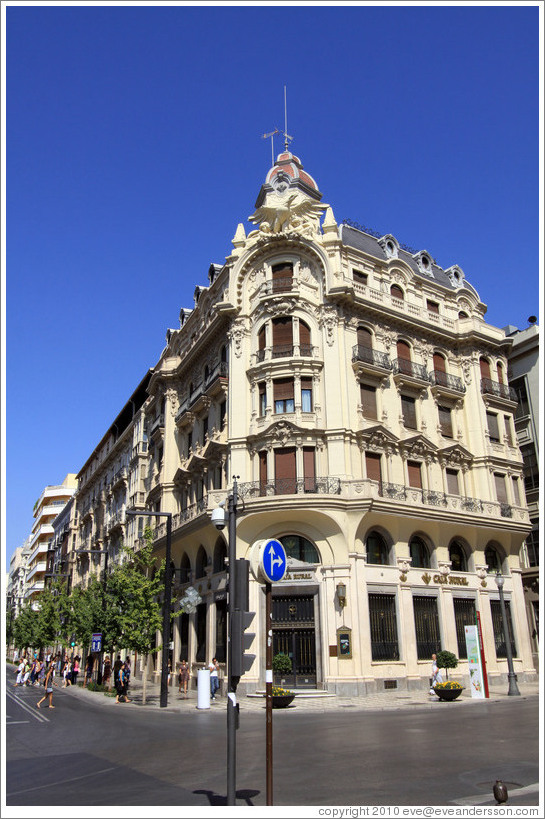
203	688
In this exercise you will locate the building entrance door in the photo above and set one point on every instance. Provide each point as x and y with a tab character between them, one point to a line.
294	635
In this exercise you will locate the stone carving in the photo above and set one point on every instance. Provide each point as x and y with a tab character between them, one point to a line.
466	369
236	334
172	398
328	319
444	567
283	210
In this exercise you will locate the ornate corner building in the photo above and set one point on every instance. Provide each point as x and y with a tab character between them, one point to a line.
354	387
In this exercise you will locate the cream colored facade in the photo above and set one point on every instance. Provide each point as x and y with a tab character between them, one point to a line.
357	392
46	509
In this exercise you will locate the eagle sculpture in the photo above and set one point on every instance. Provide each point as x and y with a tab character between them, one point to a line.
281	212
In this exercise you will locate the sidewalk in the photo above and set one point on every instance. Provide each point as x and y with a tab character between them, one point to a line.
304	701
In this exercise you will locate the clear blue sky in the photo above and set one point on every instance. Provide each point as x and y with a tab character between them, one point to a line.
134	149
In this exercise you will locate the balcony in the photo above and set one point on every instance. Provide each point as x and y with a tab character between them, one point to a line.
290	486
157	427
446	384
367	361
119	477
501	394
407	372
141	448
217	379
283	284
279	351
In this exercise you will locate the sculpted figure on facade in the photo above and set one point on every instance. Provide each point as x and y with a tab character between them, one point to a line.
283	210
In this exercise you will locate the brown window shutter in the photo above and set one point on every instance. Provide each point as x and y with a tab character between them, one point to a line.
282	331
368	401
408	409
485	368
445	421
499	370
282	276
262	472
439	363
493	426
365	337
396	292
415	474
284	471
283	389
261	339
309	468
372	466
304	333
501	491
403	350
452	482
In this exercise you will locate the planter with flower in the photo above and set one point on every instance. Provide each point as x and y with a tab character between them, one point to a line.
448	691
281	697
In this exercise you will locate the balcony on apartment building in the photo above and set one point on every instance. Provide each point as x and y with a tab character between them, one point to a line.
141	448
496	390
443	383
367	360
408	371
290	486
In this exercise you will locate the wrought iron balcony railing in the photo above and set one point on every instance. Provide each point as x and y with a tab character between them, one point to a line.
403	366
441	379
370	356
290	486
489	387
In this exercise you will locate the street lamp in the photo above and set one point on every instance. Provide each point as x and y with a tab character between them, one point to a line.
511	676
218	519
166	602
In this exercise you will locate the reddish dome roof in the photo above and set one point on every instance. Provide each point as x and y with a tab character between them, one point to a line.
288	163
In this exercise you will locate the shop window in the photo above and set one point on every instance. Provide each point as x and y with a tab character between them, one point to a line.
464	615
377	550
426	626
497	623
457	557
300	548
383	626
419	553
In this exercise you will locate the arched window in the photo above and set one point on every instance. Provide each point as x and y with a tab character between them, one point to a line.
300	548
462	314
439	363
492	558
220	553
419	553
499	370
365	337
396	292
457	557
185	569
485	368
404	358
200	563
377	549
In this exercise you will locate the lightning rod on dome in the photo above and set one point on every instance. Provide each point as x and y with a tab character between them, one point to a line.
287	137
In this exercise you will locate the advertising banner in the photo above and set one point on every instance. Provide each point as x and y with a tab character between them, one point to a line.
474	662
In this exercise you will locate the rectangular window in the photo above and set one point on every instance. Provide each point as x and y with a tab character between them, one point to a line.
262	398
282	277
453	487
383	625
497	623
359	276
309	468
262	472
189	443
432	306
523	408
530	467
372	466
368	401
408	411
306	394
445	421
204	429
464	615
415	474
284	471
283	395
508	435
282	337
516	492
493	426
426	626
223	413
501	491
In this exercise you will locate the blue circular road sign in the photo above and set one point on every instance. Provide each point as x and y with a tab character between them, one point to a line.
274	561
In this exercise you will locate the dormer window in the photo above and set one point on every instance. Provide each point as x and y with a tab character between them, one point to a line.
456	276
424	262
390	245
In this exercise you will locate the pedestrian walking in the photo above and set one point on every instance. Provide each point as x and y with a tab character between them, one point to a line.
75	670
214	679
118	678
67	673
183	677
89	670
125	679
48	682
41	674
107	672
26	673
436	676
20	673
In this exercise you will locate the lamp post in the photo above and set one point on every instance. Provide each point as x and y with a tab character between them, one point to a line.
163	701
511	676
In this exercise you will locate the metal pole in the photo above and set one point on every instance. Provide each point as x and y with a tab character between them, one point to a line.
166	614
231	680
511	676
268	692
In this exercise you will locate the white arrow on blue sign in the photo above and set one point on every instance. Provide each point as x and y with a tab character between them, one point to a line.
274	561
96	642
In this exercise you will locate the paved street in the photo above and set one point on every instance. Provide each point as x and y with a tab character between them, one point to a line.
404	750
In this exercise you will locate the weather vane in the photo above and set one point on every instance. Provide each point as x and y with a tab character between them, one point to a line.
272	134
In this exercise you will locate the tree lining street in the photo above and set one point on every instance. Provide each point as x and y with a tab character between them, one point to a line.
102	754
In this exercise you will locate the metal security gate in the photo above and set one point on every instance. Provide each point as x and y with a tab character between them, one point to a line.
294	635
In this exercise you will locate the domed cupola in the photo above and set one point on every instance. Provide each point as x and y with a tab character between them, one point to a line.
287	173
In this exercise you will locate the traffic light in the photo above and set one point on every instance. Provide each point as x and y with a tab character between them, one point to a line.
241	640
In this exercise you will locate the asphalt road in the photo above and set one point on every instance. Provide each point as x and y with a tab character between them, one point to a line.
85	754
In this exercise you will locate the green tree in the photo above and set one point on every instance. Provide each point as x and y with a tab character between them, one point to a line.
25	627
133	593
446	660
